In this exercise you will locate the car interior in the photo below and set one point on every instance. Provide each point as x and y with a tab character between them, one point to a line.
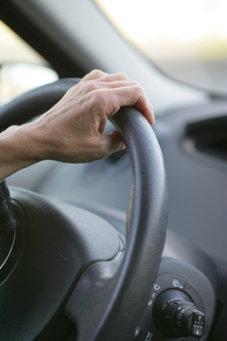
134	246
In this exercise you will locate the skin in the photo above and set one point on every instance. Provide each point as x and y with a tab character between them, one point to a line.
72	130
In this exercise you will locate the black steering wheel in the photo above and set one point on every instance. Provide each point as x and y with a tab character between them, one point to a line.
69	274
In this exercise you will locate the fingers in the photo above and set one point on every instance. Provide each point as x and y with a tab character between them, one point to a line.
112	91
133	94
113	77
94	74
125	92
99	85
101	76
106	82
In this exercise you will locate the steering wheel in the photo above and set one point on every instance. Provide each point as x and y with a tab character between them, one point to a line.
69	274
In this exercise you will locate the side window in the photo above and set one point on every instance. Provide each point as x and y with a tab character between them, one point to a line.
21	67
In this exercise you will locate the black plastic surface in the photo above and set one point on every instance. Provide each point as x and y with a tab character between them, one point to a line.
197	269
123	298
197	182
208	136
6	243
175	314
13	243
61	241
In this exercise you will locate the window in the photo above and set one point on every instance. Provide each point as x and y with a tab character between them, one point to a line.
186	40
21	67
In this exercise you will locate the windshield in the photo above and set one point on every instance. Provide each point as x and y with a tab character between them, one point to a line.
187	40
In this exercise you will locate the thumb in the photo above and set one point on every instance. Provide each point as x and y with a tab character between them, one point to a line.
112	143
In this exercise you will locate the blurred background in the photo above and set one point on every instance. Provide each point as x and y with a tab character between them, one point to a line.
186	40
21	67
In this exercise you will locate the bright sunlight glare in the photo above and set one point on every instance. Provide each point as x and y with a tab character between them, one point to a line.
146	20
186	39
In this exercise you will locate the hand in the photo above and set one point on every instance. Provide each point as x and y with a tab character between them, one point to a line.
72	130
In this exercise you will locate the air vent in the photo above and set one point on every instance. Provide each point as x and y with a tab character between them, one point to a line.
208	136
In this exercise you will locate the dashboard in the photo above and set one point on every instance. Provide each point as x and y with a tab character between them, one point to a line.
196	180
192	140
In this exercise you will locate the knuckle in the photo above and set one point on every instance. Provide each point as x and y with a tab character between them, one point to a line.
138	88
115	107
71	90
91	86
100	93
98	96
137	84
122	76
96	73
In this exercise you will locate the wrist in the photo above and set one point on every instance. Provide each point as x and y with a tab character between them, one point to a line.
17	149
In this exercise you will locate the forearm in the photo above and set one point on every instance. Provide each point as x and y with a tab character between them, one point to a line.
16	150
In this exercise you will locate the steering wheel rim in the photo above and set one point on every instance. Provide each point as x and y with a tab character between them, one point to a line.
147	211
